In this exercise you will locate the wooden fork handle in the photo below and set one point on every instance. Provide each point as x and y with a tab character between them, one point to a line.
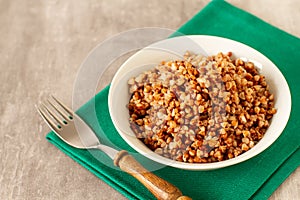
160	188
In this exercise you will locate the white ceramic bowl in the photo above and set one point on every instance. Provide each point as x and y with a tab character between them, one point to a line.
174	48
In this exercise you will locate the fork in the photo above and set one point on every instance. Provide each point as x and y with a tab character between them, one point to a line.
69	127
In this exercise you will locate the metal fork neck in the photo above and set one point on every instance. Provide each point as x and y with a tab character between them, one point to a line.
108	150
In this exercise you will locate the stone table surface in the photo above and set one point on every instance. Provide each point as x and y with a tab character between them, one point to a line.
42	44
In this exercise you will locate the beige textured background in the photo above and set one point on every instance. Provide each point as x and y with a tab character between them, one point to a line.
42	44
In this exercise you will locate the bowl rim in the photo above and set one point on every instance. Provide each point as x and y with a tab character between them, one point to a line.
197	166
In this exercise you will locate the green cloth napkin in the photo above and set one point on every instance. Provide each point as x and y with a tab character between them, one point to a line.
256	178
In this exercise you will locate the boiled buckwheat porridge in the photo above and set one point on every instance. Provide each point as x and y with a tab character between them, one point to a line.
200	109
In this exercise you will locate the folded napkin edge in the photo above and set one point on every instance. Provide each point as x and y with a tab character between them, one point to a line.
106	179
280	175
227	5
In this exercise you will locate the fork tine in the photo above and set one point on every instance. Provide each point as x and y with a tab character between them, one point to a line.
47	118
63	106
53	115
59	111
